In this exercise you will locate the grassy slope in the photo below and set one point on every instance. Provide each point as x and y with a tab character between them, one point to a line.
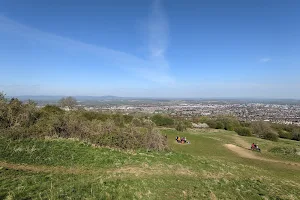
204	169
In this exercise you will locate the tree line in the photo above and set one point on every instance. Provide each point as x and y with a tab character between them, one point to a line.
262	129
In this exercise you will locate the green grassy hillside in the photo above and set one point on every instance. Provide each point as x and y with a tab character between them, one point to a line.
204	169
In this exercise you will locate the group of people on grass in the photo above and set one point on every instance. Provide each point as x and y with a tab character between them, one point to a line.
255	147
182	140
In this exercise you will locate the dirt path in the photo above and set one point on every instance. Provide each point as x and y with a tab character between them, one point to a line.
142	170
46	169
242	152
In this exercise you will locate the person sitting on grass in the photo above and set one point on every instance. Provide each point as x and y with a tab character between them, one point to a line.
257	148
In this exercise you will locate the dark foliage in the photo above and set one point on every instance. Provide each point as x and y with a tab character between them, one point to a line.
243	131
161	120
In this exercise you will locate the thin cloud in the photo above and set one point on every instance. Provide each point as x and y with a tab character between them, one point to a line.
265	60
158	31
150	69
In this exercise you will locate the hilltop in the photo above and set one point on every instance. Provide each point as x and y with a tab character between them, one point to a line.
205	169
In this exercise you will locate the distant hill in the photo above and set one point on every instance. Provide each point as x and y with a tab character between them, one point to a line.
56	98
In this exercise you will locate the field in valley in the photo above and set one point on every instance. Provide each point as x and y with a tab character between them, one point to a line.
216	165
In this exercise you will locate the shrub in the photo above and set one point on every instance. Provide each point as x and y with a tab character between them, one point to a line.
118	119
180	126
229	122
264	130
187	124
211	123
243	131
219	125
130	137
90	115
128	119
51	109
272	135
296	136
136	122
161	120
24	120
285	134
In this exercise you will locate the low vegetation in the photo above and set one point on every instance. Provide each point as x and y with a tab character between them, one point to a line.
50	168
262	129
24	120
51	153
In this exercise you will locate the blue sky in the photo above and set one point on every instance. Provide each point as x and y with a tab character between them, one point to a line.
151	48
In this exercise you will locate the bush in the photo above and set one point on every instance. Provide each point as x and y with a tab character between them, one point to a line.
243	131
272	135
229	122
264	130
219	125
130	137
118	119
51	109
161	120
180	126
285	134
211	123
296	136
90	115
25	120
187	124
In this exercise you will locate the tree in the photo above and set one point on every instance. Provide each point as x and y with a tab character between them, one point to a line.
69	102
264	130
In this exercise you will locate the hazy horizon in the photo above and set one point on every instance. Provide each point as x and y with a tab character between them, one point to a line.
151	48
80	97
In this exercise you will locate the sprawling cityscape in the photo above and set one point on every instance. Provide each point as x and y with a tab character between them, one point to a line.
285	114
277	111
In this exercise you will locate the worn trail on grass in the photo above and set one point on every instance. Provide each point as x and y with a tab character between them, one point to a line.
144	169
137	171
246	153
46	169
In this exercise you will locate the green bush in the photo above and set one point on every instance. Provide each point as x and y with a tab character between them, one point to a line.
296	136
118	119
273	136
211	123
229	122
51	109
243	131
25	120
180	126
91	115
285	134
264	130
161	120
220	125
187	124
128	119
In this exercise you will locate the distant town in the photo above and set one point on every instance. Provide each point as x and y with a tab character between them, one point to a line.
276	111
